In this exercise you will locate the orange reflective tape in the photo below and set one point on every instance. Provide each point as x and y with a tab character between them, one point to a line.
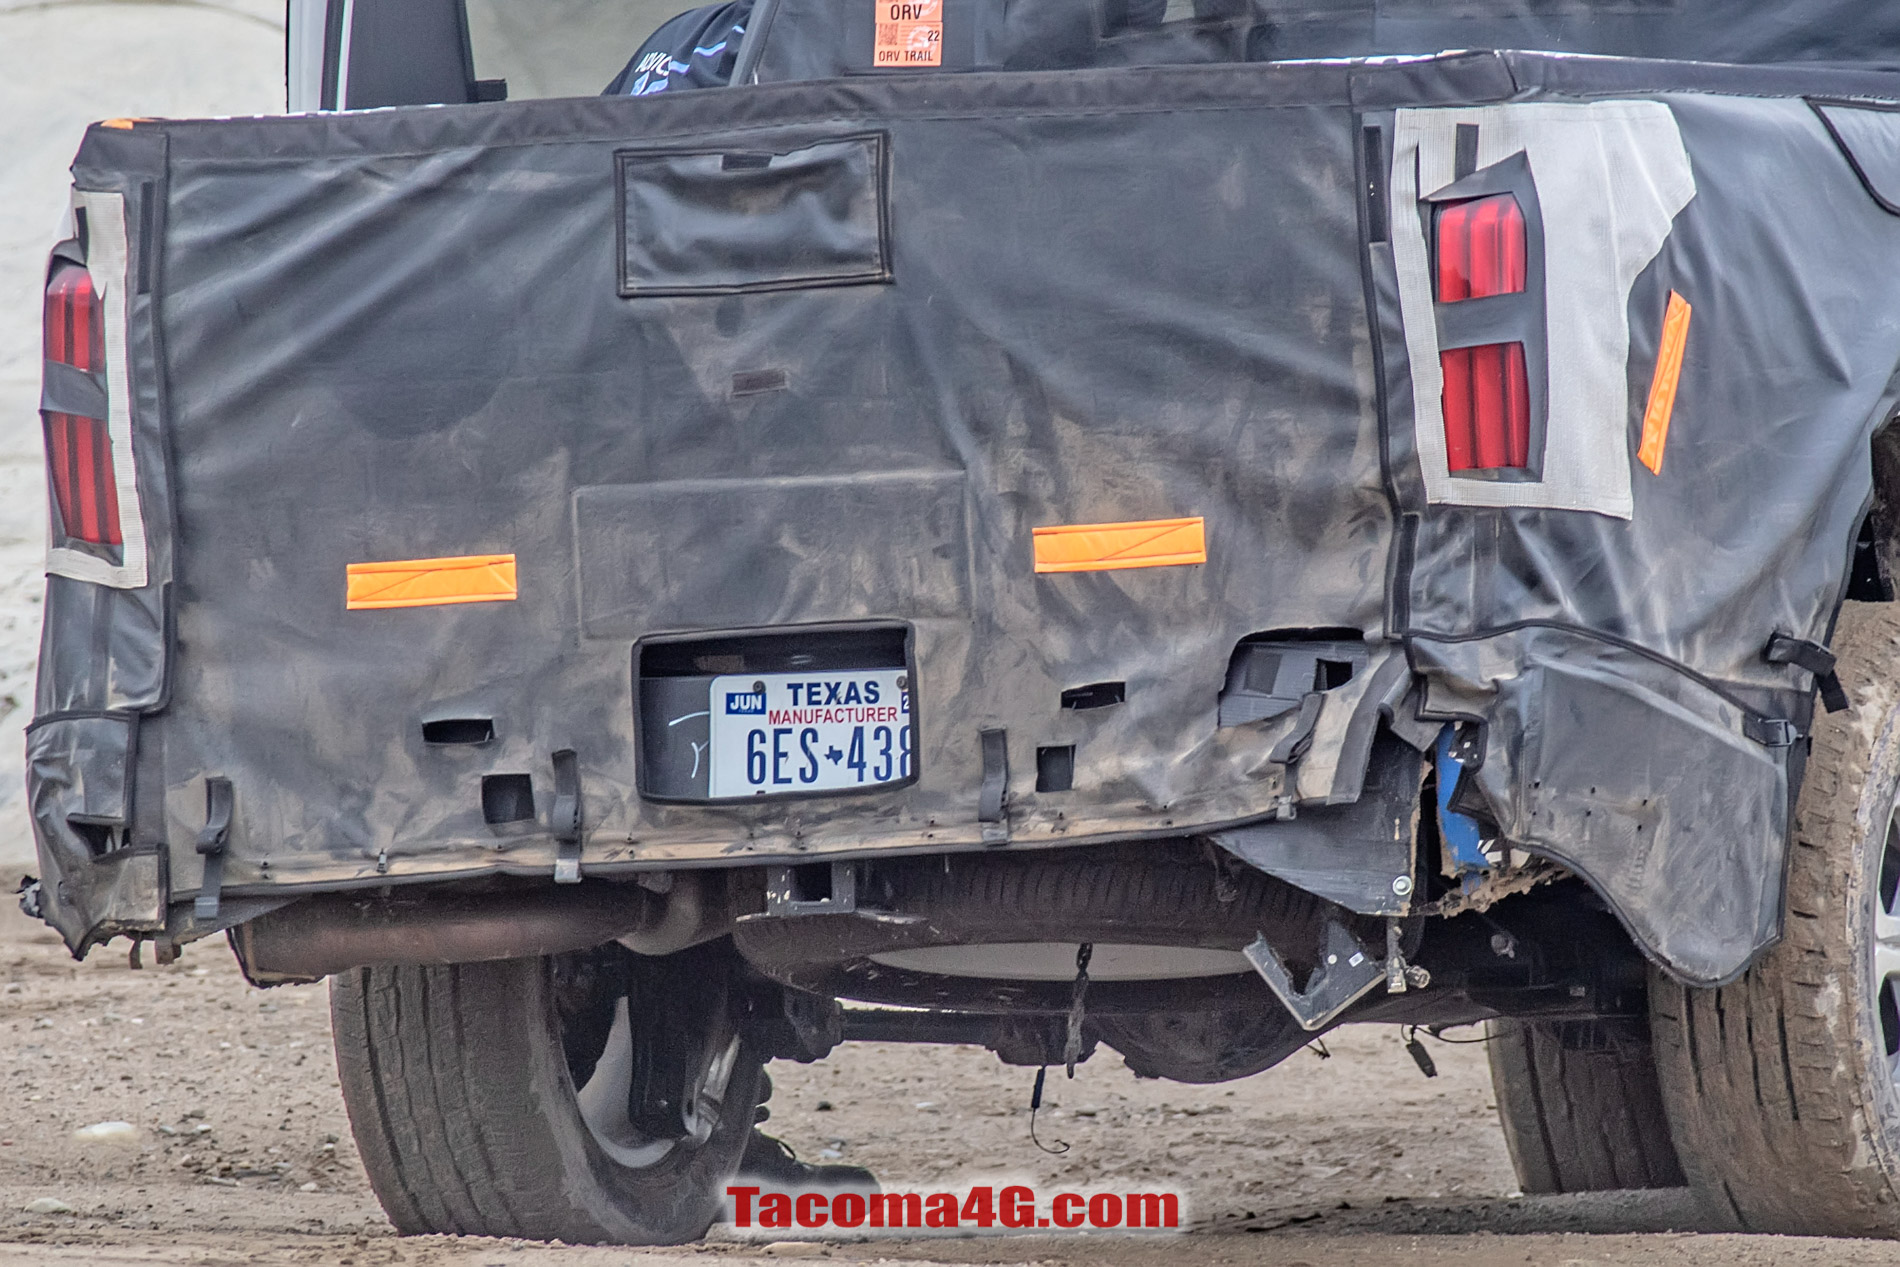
1662	387
120	124
472	578
1149	543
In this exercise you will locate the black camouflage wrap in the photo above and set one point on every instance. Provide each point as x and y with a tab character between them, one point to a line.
996	302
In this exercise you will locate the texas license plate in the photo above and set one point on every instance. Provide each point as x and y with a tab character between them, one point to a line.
778	733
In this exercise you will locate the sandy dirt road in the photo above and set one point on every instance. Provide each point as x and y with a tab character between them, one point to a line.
242	1153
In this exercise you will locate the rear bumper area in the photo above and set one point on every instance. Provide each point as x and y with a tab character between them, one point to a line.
434	515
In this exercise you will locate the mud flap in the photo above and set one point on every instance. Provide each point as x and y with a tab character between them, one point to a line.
99	884
1669	797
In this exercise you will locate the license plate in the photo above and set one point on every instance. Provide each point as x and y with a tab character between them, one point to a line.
779	733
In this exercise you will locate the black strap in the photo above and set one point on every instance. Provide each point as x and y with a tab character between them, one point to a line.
1072	1041
1770	732
1786	649
995	790
1464	151
65	389
1294	745
211	842
567	817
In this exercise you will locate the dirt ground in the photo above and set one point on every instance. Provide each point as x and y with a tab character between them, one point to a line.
242	1152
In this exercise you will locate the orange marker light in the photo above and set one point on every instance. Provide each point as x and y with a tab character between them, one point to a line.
1662	388
1148	543
473	578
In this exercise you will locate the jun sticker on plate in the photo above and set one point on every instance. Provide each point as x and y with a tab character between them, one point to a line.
777	733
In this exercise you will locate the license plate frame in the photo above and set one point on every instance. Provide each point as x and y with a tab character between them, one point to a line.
820	732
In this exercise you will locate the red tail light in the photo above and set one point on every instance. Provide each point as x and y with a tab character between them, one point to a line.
1487	407
79	449
1481	252
1480	248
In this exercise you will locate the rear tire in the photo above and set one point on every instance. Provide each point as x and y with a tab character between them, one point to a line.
1580	1106
460	1083
1780	1087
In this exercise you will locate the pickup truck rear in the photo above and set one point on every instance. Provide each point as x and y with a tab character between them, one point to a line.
1172	535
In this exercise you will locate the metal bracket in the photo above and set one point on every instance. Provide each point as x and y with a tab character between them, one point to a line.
211	843
566	818
1346	973
785	895
1461	836
1401	976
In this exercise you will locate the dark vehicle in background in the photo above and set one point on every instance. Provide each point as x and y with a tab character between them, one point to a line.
1053	524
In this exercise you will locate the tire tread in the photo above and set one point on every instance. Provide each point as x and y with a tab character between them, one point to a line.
1766	1079
453	1097
1580	1107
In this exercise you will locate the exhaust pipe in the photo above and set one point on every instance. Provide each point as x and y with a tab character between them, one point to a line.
313	938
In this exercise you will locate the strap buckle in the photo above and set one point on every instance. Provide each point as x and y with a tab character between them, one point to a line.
1816	659
211	842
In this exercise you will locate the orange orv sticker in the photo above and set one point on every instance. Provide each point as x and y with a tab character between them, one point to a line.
469	578
1662	387
1149	543
909	33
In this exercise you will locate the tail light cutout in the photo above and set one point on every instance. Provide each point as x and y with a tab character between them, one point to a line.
1481	249
1481	254
78	446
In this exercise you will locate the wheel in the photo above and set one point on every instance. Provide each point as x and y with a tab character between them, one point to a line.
1580	1106
1780	1087
597	1097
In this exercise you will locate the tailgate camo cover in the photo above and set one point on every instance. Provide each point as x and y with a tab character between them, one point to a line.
1073	378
